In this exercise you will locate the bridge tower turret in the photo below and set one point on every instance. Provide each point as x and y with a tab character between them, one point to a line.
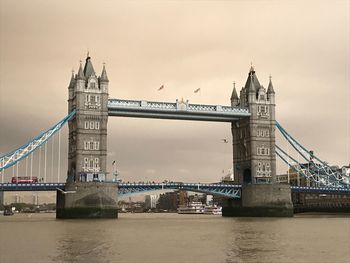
234	96
88	95
254	158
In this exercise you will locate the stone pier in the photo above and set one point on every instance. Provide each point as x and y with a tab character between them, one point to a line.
261	200
87	200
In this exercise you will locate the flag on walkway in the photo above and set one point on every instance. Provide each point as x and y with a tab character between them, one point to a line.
197	90
161	87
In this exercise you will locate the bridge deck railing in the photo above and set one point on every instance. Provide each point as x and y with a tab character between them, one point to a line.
177	106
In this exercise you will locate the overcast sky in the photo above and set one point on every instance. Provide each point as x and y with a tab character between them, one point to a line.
183	45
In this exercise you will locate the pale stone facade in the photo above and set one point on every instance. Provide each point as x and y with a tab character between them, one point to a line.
88	95
254	137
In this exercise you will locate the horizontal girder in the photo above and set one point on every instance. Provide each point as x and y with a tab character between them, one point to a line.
225	190
319	190
32	187
179	110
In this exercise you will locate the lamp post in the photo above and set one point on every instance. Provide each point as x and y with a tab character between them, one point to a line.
115	172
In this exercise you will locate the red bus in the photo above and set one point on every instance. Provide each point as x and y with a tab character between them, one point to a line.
24	180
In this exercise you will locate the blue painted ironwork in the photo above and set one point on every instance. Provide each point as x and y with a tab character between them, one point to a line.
225	190
314	168
180	110
312	171
9	159
319	190
124	189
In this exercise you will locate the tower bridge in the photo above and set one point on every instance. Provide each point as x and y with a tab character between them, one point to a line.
254	191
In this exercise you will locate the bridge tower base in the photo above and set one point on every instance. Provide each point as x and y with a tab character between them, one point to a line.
261	200
87	200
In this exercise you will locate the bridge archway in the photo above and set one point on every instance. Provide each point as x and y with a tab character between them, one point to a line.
247	176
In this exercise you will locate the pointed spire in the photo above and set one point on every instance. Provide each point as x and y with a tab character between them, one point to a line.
252	84
270	88
72	80
80	72
104	77
234	92
234	96
88	68
251	87
251	68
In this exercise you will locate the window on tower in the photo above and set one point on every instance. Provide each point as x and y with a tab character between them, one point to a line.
92	101
91	145
91	164
91	125
97	125
263	150
263	169
263	111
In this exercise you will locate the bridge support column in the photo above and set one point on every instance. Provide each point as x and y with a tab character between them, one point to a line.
87	200
261	200
1	200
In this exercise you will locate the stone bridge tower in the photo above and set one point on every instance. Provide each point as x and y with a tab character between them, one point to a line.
87	194
254	138
88	95
254	158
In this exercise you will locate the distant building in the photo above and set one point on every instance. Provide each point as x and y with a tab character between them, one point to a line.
346	170
293	178
151	201
282	178
229	177
129	206
198	198
168	201
183	198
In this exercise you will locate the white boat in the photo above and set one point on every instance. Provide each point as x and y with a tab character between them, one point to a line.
191	208
213	210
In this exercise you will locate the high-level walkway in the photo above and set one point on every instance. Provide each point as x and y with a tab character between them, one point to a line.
180	110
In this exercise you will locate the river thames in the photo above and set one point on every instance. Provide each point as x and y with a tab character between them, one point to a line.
34	238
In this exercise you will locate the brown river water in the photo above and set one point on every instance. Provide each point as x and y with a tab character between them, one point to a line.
36	238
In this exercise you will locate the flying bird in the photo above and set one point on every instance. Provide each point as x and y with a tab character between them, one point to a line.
161	87
66	192
224	140
197	90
